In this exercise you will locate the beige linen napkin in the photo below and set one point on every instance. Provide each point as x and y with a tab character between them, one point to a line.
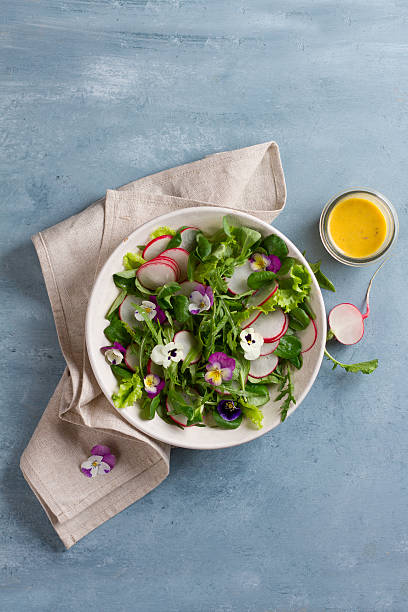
78	416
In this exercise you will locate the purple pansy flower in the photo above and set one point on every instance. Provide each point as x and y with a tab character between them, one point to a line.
160	314
202	298
220	367
228	410
260	262
114	354
153	384
151	309
100	462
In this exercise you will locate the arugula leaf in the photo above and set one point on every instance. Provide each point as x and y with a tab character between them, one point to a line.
271	379
116	332
274	245
286	389
133	261
116	303
323	281
191	267
162	231
130	390
256	280
165	294
365	367
180	308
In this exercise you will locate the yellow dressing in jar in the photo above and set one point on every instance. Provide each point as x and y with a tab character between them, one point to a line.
357	226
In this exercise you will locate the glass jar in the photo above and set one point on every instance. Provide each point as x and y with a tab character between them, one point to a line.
390	216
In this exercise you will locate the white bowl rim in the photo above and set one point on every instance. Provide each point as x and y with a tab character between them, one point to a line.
256	433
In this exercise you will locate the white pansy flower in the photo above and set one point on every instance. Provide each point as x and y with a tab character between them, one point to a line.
164	354
149	308
199	302
251	342
113	356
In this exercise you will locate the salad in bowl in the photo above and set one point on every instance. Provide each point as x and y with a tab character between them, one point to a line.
216	329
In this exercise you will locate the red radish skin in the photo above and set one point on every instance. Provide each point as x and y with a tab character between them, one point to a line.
248	322
308	336
271	326
180	419
263	366
154	274
171	262
238	282
261	296
187	341
155	247
269	347
347	323
131	359
180	256
188	235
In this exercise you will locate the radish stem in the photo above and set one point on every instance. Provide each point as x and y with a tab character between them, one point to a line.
367	312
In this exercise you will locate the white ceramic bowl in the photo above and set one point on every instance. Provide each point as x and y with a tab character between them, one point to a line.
209	219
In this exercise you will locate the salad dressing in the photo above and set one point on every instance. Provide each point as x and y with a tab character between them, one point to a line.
357	226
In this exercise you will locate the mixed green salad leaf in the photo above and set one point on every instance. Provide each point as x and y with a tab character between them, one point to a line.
206	327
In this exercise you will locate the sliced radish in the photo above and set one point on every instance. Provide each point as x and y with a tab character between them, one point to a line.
263	366
347	323
238	282
248	322
180	419
187	341
308	336
270	326
269	347
132	357
127	311
171	262
187	288
155	247
262	295
180	256
153	368
154	274
188	235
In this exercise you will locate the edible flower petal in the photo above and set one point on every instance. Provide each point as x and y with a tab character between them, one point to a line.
274	263
251	342
149	309
164	354
101	461
220	367
260	262
160	314
228	410
153	384
202	298
113	356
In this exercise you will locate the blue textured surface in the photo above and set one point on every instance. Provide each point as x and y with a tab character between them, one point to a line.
96	93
